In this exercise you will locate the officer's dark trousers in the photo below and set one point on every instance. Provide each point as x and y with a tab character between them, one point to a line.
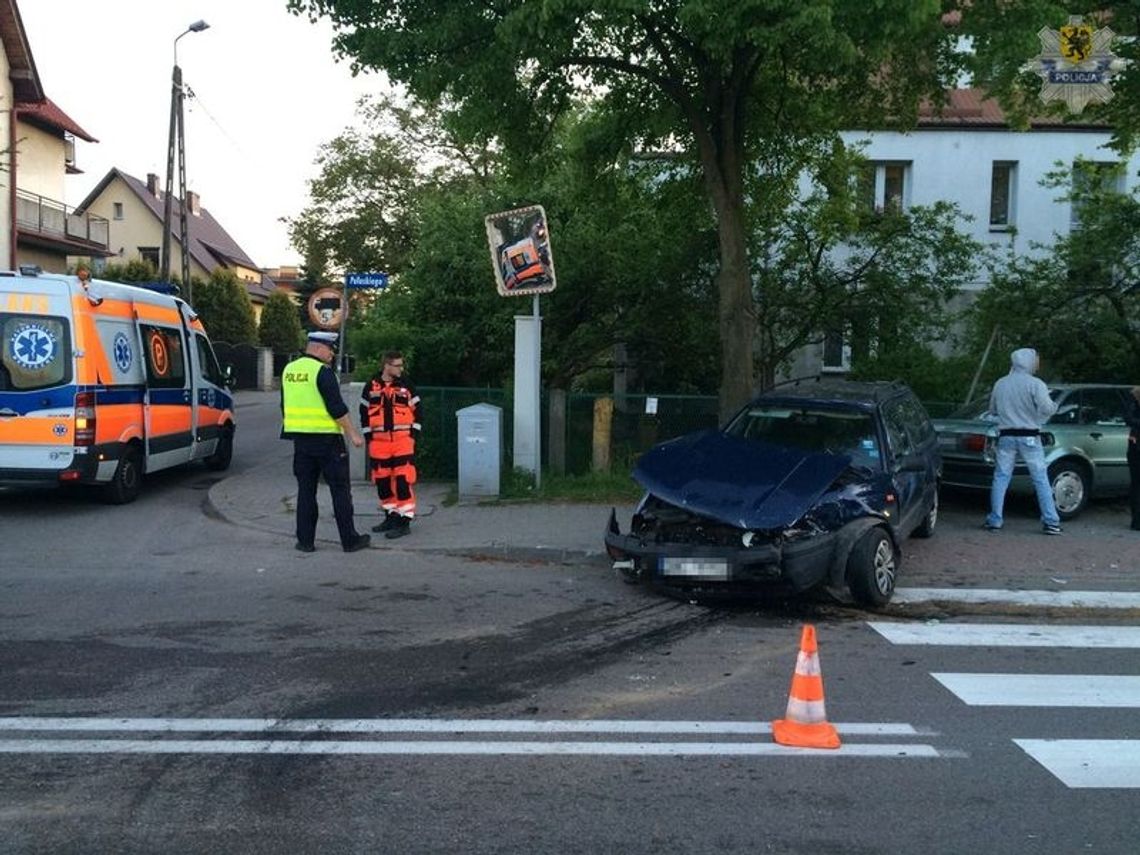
313	456
1134	471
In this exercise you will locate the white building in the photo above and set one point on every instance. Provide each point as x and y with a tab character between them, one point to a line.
968	155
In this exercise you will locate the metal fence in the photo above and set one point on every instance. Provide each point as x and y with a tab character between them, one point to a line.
243	358
639	422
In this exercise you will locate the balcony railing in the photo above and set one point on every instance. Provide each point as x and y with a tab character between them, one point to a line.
49	219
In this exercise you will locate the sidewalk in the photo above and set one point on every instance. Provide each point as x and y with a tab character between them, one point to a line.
1097	553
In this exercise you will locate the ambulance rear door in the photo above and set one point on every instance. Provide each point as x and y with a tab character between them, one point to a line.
37	378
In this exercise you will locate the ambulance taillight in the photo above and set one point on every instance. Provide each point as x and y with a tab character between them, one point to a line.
85	418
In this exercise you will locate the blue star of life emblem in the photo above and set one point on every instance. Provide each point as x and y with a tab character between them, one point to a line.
33	347
123	354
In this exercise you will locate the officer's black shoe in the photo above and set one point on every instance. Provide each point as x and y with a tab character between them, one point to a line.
304	547
390	520
361	541
402	526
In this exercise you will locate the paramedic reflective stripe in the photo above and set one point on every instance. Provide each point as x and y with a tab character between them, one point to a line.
305	410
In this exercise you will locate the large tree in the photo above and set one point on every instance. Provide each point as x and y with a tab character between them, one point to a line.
722	83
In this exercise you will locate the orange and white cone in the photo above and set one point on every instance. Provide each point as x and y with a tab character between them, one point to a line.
805	723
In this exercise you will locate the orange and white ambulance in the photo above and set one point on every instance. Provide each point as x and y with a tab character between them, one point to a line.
101	383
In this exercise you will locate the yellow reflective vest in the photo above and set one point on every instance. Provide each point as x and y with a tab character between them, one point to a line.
305	410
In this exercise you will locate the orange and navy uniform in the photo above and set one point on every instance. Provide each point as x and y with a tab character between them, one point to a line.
391	417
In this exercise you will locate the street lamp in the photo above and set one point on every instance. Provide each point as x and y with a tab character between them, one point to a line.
177	133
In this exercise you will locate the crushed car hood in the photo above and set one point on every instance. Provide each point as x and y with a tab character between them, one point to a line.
744	483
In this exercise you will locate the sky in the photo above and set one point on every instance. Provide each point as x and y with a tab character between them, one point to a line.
268	94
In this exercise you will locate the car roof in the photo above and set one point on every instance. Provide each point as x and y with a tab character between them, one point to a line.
1069	387
836	390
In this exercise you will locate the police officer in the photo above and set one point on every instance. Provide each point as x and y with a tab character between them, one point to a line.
390	413
314	417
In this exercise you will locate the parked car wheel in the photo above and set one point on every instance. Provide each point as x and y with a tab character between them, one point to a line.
926	527
1071	484
871	568
223	453
126	483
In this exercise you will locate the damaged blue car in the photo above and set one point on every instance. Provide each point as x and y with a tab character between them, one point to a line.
814	484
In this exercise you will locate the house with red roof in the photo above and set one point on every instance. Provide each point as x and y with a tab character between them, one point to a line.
134	209
37	151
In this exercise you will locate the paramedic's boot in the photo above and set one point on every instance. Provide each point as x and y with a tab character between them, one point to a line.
402	526
390	519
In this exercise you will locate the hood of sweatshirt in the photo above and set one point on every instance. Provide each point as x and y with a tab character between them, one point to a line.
1023	360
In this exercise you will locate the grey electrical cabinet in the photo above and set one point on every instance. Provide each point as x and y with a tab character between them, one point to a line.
480	448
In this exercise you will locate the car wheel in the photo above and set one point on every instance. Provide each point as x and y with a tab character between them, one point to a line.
1071	483
126	483
223	453
872	567
926	527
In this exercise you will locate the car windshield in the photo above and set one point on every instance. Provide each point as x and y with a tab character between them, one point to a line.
813	429
979	408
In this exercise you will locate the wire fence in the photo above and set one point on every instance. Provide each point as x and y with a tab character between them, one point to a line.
639	423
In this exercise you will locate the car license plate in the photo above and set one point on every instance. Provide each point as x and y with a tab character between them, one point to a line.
704	568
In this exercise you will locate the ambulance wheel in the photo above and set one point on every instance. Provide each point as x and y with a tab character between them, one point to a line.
127	480
223	453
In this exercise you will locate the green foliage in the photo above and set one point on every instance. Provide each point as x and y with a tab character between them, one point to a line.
935	380
279	328
1076	301
222	303
726	85
1003	38
135	270
616	487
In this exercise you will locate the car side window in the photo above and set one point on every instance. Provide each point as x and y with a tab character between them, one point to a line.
895	420
1102	407
1068	410
917	421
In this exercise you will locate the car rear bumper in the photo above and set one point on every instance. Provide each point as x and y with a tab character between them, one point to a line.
799	564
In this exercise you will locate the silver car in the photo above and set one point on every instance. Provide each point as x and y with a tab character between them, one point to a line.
1085	442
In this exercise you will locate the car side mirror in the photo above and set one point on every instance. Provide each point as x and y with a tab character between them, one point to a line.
228	376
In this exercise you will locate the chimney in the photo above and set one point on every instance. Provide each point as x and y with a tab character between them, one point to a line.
193	203
152	185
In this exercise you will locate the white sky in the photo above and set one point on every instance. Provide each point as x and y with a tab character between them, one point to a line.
268	94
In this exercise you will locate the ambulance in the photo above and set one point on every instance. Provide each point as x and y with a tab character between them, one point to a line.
101	383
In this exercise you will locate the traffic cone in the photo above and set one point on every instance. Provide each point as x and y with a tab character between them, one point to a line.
805	724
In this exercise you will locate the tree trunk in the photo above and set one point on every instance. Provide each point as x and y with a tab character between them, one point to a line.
734	287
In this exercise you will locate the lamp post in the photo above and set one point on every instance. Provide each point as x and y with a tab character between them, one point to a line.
177	136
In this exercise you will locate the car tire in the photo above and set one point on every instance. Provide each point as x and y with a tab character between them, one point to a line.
219	461
930	521
872	567
1071	482
126	483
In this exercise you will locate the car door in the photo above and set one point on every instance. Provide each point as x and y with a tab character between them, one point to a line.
1104	436
910	486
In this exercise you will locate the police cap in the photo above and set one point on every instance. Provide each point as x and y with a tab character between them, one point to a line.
328	339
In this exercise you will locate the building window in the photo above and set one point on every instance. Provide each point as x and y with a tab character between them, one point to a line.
836	352
118	210
1091	176
149	254
1002	187
885	185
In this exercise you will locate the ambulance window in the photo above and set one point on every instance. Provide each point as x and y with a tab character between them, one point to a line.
36	352
209	362
165	361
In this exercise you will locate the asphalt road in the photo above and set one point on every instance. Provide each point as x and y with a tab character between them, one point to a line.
172	683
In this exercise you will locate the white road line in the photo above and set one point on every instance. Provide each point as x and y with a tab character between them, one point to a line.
351	747
1008	635
455	726
1058	599
1088	763
1043	690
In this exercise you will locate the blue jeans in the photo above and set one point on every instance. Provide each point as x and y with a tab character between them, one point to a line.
1009	448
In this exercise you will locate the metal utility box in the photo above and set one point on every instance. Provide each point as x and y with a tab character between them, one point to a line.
480	450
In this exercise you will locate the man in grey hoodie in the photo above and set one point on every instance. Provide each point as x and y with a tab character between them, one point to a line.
1022	404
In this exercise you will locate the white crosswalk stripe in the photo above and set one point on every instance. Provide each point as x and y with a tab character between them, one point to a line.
1077	763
